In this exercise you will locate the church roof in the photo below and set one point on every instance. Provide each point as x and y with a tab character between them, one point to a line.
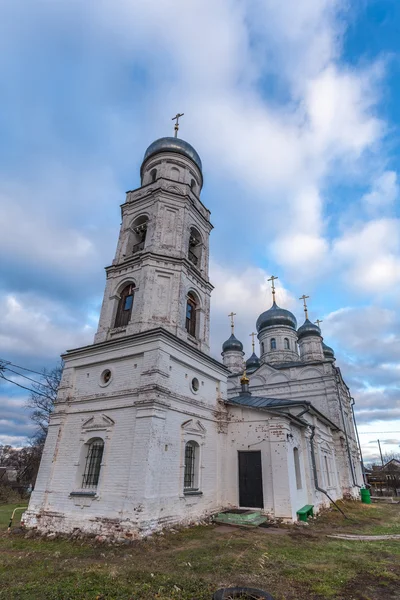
276	316
308	329
173	144
275	403
252	363
232	344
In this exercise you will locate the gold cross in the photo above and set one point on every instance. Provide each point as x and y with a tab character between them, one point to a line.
232	321
272	280
318	321
176	118
252	340
304	297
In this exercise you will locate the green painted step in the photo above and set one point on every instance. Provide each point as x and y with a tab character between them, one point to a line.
251	518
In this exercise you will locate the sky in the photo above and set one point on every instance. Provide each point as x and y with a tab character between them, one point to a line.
294	109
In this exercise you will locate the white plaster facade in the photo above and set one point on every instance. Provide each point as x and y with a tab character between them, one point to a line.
148	389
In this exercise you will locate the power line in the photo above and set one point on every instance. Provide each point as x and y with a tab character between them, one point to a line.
376	432
22	386
25	376
7	362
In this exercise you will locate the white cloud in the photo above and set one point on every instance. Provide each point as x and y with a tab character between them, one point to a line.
35	326
383	194
370	252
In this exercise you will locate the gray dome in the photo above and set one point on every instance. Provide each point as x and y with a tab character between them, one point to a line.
232	344
307	329
252	363
276	316
328	352
173	144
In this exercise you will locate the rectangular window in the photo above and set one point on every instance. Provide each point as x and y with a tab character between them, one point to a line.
328	478
93	464
190	457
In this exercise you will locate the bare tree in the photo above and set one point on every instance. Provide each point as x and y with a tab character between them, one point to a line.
42	400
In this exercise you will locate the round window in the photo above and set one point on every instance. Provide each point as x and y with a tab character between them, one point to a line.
105	377
195	384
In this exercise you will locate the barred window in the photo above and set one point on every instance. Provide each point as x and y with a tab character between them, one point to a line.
94	457
191	466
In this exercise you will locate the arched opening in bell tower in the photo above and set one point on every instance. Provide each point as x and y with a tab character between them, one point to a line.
138	235
125	306
191	314
195	247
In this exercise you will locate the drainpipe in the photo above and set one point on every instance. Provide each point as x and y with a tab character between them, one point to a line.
345	433
366	484
314	467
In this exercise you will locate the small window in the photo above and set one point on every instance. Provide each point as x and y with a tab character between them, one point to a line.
191	306
191	466
153	175
286	344
94	457
106	377
193	185
297	468
262	347
125	305
273	344
195	384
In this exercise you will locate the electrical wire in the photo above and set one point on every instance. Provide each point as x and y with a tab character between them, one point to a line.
23	386
7	362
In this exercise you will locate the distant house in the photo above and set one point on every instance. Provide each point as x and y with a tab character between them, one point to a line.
385	479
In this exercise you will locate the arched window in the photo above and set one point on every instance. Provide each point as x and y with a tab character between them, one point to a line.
191	477
273	344
286	344
125	304
194	253
191	307
153	175
262	348
93	459
139	232
193	185
297	468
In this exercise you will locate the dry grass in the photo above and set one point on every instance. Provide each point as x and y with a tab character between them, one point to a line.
193	563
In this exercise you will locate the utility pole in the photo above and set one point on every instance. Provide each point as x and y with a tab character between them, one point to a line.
380	451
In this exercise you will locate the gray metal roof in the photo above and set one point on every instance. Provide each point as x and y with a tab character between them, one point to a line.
276	316
232	344
261	401
307	329
172	144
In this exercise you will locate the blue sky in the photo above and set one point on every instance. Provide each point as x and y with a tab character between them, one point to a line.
294	110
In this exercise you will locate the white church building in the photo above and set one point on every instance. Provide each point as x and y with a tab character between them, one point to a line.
149	430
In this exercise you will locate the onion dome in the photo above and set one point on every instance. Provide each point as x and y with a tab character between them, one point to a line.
308	329
252	363
232	345
173	144
328	352
276	316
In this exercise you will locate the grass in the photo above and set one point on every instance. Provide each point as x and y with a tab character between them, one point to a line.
297	564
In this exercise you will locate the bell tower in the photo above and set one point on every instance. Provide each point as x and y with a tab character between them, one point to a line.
159	276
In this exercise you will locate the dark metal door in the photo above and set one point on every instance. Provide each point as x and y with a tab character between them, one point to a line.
250	480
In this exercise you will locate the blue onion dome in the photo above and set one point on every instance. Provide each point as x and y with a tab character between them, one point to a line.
276	316
308	329
173	144
328	352
232	344
252	363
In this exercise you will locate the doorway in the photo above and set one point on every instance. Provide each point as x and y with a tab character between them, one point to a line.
250	480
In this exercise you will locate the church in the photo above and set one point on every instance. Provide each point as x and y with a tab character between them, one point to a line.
149	430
